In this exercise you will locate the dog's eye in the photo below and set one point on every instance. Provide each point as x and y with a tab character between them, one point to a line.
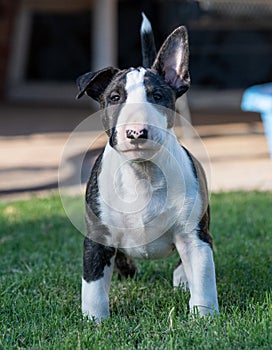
115	97
157	96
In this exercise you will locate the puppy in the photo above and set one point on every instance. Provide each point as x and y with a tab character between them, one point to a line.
147	195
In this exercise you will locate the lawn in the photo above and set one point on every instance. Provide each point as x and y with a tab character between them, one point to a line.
40	282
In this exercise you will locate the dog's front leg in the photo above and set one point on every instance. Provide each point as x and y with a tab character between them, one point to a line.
98	264
197	259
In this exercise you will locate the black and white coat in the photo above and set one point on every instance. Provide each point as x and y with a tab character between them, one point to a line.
147	195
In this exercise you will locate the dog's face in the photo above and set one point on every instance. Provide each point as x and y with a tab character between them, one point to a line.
138	103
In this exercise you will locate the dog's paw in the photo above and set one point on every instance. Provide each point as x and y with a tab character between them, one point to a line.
204	311
96	316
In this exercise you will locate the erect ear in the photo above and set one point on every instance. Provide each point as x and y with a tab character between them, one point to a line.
95	83
172	61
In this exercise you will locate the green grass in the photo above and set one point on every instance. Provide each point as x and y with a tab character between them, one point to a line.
40	281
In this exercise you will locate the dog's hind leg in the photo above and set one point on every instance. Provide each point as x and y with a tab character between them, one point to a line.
197	259
98	264
124	265
179	277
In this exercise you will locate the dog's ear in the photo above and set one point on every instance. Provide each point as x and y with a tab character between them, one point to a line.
172	61
95	83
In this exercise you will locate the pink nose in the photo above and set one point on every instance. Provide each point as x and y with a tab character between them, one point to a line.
134	134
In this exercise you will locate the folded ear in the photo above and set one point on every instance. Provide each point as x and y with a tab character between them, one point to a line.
172	61
95	83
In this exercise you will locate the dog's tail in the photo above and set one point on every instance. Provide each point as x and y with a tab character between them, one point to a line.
148	43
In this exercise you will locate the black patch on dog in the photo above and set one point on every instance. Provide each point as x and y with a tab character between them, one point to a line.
95	83
113	139
154	83
95	257
92	189
96	230
191	160
148	48
205	237
115	86
204	225
159	93
124	265
111	107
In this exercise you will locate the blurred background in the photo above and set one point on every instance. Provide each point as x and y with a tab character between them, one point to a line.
45	45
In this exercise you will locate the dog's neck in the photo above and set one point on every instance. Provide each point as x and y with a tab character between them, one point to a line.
160	172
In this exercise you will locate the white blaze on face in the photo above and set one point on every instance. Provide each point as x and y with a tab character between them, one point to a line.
138	113
135	88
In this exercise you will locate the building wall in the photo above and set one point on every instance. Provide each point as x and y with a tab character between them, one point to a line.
231	47
230	43
8	11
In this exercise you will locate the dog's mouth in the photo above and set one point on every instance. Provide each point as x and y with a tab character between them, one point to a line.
138	142
141	145
139	148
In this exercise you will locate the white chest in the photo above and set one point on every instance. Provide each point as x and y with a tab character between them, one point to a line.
143	204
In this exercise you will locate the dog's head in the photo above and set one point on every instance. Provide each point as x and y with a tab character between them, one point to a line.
137	103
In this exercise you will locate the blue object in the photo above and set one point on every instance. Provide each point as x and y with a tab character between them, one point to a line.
258	98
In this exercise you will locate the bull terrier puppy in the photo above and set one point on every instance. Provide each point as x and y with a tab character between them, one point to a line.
147	195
